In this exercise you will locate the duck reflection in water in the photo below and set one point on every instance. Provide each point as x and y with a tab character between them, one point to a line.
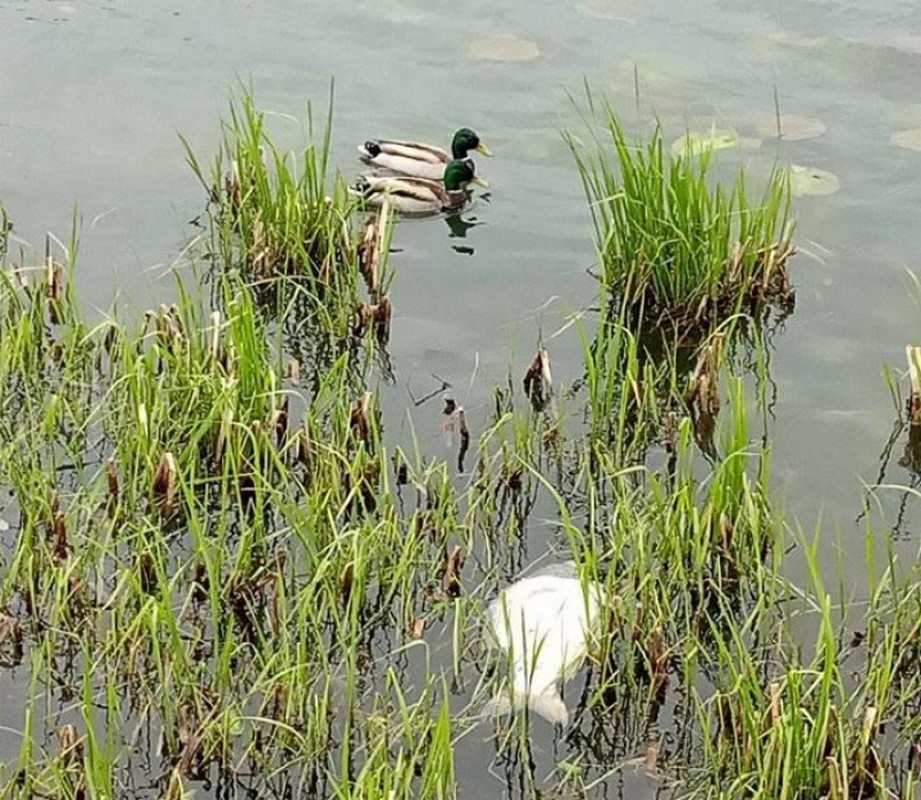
459	227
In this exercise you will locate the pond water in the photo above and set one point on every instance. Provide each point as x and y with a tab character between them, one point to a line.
93	94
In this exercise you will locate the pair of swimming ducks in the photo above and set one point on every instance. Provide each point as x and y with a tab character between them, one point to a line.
417	178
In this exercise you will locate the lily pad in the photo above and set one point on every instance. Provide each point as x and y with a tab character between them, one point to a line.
503	47
793	127
693	144
910	139
812	181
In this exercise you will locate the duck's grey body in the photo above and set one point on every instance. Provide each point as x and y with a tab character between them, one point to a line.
416	159
414	196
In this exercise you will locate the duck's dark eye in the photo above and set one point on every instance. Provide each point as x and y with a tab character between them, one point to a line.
372	148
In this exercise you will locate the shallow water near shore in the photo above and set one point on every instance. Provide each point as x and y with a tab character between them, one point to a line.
93	95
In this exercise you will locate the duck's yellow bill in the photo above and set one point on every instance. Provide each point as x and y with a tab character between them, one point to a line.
480	182
482	148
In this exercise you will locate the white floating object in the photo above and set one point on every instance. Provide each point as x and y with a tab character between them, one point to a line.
545	624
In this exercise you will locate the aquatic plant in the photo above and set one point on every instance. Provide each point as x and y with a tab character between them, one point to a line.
215	564
275	213
674	246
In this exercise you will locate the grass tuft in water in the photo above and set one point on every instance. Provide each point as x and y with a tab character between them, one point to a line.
275	213
674	245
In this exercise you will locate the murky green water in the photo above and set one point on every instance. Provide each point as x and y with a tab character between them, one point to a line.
92	95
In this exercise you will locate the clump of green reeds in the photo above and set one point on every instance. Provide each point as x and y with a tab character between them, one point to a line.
204	546
675	245
278	213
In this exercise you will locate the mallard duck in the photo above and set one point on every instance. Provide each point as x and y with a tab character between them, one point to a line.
544	623
418	195
417	159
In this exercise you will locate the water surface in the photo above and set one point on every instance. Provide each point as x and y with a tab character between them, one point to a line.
93	94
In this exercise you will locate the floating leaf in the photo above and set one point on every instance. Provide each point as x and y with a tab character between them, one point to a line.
793	127
503	47
693	144
812	181
910	140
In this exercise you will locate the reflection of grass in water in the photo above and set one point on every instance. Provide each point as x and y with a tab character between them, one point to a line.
672	248
220	569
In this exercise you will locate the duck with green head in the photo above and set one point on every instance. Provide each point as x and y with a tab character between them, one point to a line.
418	196
420	160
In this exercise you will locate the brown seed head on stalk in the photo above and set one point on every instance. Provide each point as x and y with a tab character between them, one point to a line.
382	316
112	480
453	565
71	747
147	573
417	628
60	547
280	422
54	283
377	317
79	605
371	247
11	633
110	340
703	388
346	580
164	483
538	381
360	418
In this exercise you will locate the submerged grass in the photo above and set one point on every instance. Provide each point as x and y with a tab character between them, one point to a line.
213	573
674	246
220	576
